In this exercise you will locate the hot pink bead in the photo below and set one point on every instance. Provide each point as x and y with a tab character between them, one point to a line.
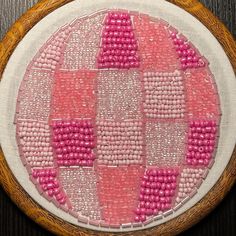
146	198
50	192
142	204
151	179
173	35
206	162
160	179
142	210
89	163
149	212
35	174
163	186
147	191
142	190
162	207
156	192
153	185
142	218
147	205
172	192
167	193
137	219
62	201
157	198
161	193
176	41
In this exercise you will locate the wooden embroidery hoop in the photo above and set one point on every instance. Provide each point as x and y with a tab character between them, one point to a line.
57	225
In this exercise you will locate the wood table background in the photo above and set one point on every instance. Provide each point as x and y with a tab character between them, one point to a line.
222	220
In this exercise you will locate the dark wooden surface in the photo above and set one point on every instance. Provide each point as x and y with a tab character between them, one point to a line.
221	222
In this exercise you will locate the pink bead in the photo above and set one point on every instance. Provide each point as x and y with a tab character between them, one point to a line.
137	219
151	179
62	201
59	196
142	204
183	60
207	156
167	206
206	162
189	161
163	186
156	192
142	211
189	59
141	197
147	205
179	52
147	191
180	41
184	66
186	47
50	192
153	185
160	179
173	35
203	156
162	207
167	193
162	200
176	41
142	218
149	212
146	198
142	190
211	149
148	184
161	193
172	192
157	199
152	198
153	205
35	174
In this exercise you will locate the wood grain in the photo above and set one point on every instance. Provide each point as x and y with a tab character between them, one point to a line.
55	224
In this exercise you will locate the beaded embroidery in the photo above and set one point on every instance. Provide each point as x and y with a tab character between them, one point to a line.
164	95
119	45
156	193
73	142
117	119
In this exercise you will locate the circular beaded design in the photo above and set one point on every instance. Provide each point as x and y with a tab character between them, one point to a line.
117	119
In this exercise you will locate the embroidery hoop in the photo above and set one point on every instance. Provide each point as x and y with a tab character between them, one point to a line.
31	208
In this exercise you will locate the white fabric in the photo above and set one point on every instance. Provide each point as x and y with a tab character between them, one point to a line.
188	25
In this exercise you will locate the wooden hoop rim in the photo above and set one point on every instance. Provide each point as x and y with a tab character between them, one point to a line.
57	225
